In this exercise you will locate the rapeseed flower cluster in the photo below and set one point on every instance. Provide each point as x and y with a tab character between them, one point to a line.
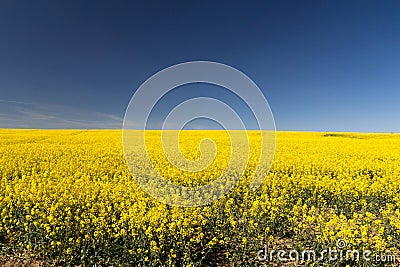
67	197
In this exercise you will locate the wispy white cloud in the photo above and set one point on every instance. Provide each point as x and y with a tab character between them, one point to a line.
19	114
34	115
15	102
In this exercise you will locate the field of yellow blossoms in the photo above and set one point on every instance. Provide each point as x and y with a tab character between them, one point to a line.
67	198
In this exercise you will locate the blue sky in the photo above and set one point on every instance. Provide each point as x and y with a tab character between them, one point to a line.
322	65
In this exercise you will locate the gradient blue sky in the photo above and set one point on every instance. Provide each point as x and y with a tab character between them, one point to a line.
323	65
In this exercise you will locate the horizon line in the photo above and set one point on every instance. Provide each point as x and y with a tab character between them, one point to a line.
120	129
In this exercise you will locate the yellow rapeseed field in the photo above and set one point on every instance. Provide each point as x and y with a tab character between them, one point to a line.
68	198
